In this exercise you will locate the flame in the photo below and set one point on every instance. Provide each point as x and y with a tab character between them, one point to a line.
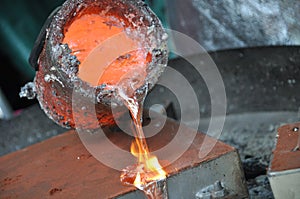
149	168
137	182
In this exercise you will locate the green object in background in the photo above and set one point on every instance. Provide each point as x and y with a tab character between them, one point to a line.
158	6
20	23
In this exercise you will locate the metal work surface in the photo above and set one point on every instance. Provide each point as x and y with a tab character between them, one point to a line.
62	167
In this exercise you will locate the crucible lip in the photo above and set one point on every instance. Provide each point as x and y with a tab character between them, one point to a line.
55	53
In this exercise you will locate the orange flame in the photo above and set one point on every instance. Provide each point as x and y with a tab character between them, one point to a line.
149	166
137	182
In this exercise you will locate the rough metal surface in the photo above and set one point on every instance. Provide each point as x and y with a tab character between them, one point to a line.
61	167
232	24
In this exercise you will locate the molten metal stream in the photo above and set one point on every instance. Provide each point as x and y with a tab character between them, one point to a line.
87	36
147	175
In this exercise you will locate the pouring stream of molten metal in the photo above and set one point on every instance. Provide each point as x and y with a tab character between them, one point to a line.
95	40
